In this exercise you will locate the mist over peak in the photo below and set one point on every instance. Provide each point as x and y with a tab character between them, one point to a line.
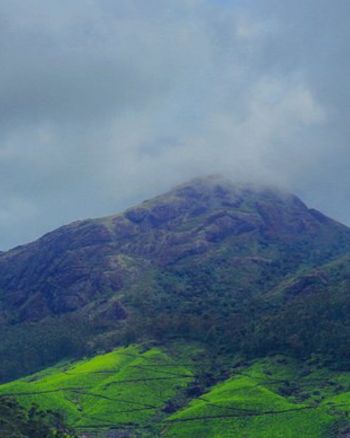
104	104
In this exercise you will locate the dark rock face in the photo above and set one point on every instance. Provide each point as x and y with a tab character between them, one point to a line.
64	271
225	224
136	215
114	312
307	284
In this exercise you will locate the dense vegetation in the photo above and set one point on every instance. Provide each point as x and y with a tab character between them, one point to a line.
305	313
17	422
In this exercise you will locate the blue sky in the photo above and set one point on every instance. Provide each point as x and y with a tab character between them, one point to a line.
106	103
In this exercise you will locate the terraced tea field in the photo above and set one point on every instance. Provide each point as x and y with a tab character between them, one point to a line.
157	393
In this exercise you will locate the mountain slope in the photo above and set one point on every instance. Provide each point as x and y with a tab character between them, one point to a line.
197	262
70	267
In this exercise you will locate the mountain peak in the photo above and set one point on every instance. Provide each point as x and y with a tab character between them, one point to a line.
213	192
207	235
220	186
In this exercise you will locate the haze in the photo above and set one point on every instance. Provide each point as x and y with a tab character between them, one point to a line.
106	103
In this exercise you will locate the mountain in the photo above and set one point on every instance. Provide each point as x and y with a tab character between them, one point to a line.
216	309
211	261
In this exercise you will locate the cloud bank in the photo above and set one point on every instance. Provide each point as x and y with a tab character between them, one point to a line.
104	103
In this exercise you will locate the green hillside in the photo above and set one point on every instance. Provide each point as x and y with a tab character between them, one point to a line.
251	404
157	393
126	386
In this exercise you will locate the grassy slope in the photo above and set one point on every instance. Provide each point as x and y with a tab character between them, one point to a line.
118	388
129	387
251	404
245	410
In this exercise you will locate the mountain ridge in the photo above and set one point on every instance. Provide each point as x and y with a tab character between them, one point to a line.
199	260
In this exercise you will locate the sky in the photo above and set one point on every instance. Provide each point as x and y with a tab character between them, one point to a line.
105	103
